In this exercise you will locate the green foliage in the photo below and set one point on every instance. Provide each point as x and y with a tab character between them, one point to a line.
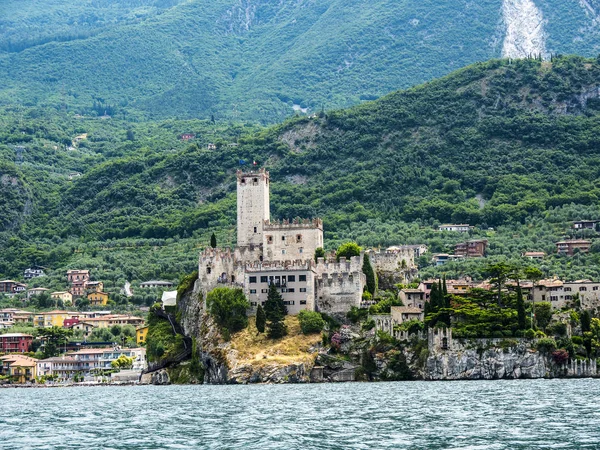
543	314
586	320
546	345
186	283
356	315
261	319
348	250
213	240
228	308
319	253
122	362
310	322
521	309
53	338
275	312
369	274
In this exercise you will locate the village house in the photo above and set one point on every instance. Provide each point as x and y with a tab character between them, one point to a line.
534	255
156	284
10	287
585	224
98	298
65	296
414	298
569	247
563	293
78	279
33	272
401	314
94	286
140	335
21	369
36	291
471	249
439	259
15	342
462	228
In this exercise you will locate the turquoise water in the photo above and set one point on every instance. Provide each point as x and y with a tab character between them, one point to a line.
535	414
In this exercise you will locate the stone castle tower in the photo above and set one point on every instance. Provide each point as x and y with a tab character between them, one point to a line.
252	206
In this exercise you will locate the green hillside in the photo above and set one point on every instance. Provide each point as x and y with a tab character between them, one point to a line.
253	59
511	147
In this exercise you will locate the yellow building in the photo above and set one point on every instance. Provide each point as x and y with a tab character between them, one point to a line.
66	297
54	318
140	335
98	298
22	369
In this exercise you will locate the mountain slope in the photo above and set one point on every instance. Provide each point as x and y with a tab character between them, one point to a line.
254	59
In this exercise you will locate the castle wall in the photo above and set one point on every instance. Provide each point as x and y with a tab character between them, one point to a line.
292	241
295	281
393	267
217	267
252	206
339	285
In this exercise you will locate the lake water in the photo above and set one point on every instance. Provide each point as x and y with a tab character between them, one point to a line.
533	414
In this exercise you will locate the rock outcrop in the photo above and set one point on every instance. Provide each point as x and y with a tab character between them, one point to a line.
525	35
493	363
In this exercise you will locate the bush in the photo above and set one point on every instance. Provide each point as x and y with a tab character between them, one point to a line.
530	334
560	356
311	322
368	325
577	340
497	334
356	315
228	308
546	345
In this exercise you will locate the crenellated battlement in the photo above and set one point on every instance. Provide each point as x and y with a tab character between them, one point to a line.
295	224
212	254
354	264
298	264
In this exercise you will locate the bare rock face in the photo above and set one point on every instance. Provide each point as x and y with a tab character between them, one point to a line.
160	377
491	364
272	373
525	35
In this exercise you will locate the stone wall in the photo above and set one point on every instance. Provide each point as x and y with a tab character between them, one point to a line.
252	206
292	240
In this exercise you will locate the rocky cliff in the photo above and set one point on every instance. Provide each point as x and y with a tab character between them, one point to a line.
489	364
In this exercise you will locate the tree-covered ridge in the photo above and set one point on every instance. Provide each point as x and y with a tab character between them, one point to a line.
508	145
252	59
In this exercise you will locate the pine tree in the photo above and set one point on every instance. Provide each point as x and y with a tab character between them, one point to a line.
521	308
261	320
213	241
275	311
370	275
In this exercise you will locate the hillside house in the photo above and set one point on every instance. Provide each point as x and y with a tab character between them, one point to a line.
475	248
462	228
569	247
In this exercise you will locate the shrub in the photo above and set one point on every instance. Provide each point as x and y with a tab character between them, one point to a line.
540	334
348	250
368	325
310	322
546	345
497	334
530	334
356	315
560	356
228	307
577	340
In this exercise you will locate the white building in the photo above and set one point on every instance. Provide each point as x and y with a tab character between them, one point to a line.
462	228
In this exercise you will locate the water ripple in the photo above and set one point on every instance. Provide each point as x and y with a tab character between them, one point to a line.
534	414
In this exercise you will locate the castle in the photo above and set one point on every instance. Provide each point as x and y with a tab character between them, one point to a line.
283	253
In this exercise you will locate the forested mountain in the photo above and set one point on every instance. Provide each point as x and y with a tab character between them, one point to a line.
259	59
511	145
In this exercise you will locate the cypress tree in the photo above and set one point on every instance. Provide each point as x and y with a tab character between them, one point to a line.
370	275
275	311
261	320
433	299
213	241
521	308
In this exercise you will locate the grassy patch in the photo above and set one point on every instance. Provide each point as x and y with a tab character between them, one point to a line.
258	350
